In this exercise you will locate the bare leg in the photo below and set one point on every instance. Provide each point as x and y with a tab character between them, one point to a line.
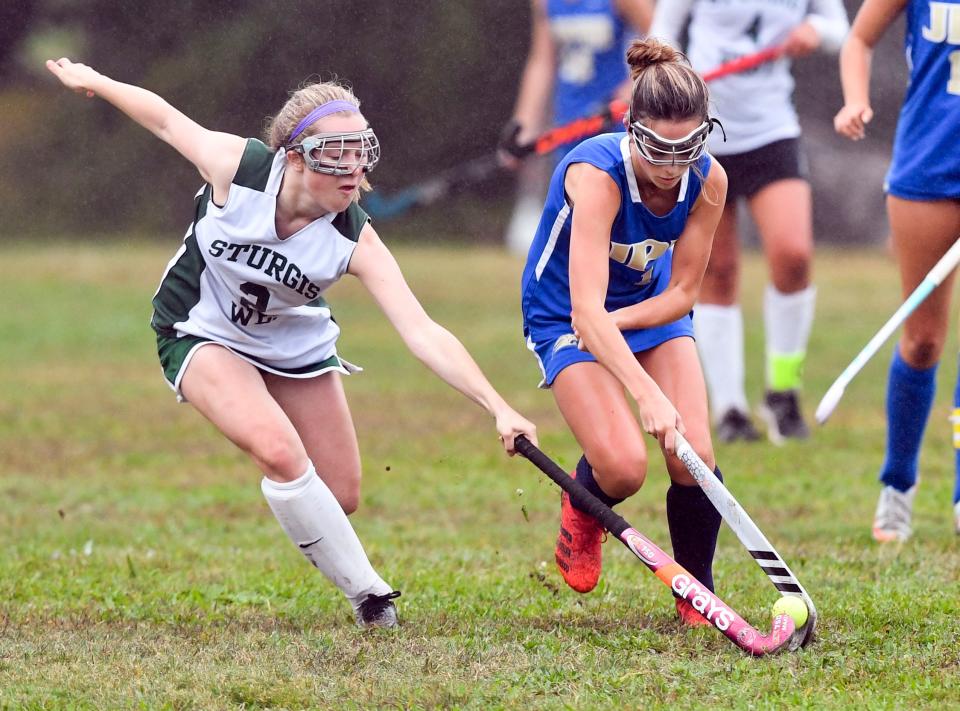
694	521
318	409
595	407
232	394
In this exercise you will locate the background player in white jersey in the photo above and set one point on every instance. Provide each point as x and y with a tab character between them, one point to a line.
923	204
574	67
243	331
616	265
765	165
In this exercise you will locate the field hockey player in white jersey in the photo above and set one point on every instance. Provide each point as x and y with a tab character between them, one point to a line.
610	280
767	168
242	328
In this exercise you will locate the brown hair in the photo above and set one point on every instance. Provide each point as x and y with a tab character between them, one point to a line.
302	102
665	86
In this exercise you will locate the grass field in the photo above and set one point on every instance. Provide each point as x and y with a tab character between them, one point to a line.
141	568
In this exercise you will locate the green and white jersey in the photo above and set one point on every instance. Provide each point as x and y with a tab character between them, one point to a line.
235	282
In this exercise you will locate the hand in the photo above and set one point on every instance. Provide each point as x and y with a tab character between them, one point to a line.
802	40
78	77
660	418
510	150
511	424
851	121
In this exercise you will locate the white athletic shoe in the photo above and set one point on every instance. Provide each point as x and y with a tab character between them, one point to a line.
894	512
956	518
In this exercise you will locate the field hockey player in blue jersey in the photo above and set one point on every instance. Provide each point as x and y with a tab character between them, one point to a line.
610	280
243	331
574	67
923	205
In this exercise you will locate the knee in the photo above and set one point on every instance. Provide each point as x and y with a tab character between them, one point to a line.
791	270
349	501
722	274
621	470
344	484
281	457
921	350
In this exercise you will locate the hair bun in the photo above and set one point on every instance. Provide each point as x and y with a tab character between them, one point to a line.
646	52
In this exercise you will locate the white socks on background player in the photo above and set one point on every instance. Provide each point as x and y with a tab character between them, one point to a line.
787	318
719	332
312	518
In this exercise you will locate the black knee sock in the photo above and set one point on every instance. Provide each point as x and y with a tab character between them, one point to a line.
694	524
585	477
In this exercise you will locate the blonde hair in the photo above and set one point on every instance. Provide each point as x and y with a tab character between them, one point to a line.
665	86
302	102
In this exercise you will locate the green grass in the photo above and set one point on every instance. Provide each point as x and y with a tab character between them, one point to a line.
140	567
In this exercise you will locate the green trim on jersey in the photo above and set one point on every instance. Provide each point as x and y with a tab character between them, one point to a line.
254	169
174	351
350	222
179	291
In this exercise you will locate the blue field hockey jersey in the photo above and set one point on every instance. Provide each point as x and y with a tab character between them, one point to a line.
926	150
590	40
640	242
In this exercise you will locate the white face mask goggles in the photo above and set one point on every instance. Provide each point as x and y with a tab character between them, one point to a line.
658	150
340	153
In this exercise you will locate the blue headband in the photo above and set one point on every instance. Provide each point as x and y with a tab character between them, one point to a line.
331	107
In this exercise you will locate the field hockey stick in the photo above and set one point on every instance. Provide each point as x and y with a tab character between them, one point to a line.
671	573
930	282
750	536
745	63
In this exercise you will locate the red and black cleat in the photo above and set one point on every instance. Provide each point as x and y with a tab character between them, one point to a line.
578	553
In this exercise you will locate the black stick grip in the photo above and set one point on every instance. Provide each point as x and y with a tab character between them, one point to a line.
584	500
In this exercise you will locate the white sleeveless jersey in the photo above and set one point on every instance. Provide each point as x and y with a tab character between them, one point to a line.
235	282
755	106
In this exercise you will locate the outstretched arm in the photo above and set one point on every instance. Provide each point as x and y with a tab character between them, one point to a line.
871	21
216	155
430	342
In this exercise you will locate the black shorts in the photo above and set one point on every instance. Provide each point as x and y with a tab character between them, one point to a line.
748	173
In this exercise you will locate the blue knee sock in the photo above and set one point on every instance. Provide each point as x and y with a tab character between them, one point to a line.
909	399
694	524
585	477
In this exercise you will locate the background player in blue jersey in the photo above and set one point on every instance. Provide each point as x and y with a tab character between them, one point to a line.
243	333
923	204
574	66
609	283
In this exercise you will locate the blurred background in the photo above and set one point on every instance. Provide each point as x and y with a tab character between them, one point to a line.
437	80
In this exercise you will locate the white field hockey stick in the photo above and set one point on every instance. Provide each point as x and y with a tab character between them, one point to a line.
671	573
750	536
930	282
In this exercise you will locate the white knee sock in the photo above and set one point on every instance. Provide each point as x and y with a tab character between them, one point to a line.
719	332
787	319
312	518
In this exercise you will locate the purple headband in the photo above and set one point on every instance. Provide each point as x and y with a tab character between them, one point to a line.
331	107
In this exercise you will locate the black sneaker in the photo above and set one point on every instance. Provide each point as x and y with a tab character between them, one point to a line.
736	425
378	611
781	411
